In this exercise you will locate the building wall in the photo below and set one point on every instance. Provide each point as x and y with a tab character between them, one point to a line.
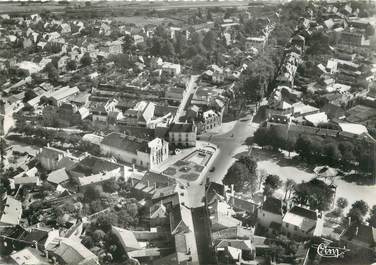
213	122
142	159
187	139
295	232
265	218
49	163
122	155
256	44
218	77
101	118
351	38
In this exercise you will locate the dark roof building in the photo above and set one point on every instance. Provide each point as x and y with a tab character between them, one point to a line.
272	205
182	127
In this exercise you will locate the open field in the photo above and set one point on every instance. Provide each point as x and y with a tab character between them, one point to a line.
277	164
10	8
143	20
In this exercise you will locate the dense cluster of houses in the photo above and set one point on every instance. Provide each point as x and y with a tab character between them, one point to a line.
343	83
143	123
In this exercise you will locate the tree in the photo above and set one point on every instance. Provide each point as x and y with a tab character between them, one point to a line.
250	163
289	187
98	235
209	15
110	186
50	116
126	219
52	72
157	44
92	193
72	65
168	49
342	203
199	63
318	44
372	216
242	174
236	175
123	60
261	176
180	43
105	221
332	152
227	13
261	136
303	146
196	40
210	40
29	94
272	183
362	206
88	242
86	59
316	194
357	212
277	137
96	206
128	44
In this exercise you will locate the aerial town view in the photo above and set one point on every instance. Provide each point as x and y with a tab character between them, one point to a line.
188	132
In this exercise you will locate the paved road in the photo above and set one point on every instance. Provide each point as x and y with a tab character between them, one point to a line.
230	144
191	89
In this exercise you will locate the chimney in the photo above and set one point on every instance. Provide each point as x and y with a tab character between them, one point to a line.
232	190
48	144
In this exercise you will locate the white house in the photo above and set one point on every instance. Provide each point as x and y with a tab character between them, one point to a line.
100	112
255	42
301	223
270	214
183	134
135	150
11	211
171	68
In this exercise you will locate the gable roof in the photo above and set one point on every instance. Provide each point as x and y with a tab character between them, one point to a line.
182	127
11	211
242	204
93	165
58	176
235	243
29	256
304	212
237	232
272	205
165	191
72	252
303	218
124	142
127	238
362	233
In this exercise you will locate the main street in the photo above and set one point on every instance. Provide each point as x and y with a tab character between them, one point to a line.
230	144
